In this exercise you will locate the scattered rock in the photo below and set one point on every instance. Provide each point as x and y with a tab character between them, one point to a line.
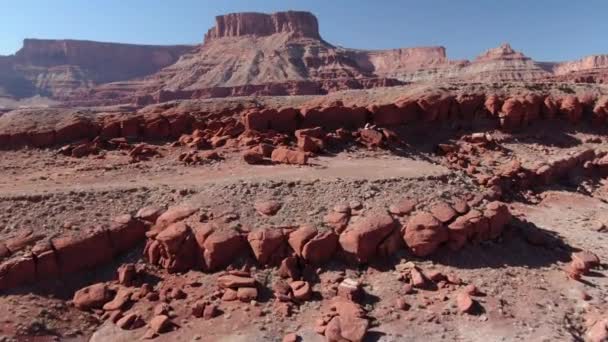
268	208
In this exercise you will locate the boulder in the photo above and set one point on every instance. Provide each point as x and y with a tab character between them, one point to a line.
301	290
174	214
443	212
92	297
464	302
253	157
268	207
221	248
231	281
299	237
284	155
269	246
424	233
371	138
178	248
351	329
498	216
247	294
361	240
160	324
337	221
320	248
402	207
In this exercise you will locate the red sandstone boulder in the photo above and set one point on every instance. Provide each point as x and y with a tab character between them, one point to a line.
337	221
424	233
309	143
253	157
178	248
221	248
268	207
92	297
174	214
283	155
443	212
301	290
402	207
464	302
268	245
289	268
361	240
390	245
300	237
371	138
150	213
498	216
351	329
231	281
320	248
459	232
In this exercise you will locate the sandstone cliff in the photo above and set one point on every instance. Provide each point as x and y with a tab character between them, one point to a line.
59	67
296	24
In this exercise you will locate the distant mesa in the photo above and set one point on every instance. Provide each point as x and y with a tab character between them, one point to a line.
246	54
503	52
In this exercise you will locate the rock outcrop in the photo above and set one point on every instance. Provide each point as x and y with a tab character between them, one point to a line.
297	24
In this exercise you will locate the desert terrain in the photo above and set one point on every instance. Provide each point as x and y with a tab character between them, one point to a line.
266	185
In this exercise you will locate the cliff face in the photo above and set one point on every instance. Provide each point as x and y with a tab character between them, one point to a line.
59	67
296	24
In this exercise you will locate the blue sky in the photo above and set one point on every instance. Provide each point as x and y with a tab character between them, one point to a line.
549	30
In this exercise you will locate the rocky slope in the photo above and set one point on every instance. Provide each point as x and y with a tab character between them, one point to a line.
58	68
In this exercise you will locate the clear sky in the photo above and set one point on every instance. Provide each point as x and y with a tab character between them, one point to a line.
548	30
